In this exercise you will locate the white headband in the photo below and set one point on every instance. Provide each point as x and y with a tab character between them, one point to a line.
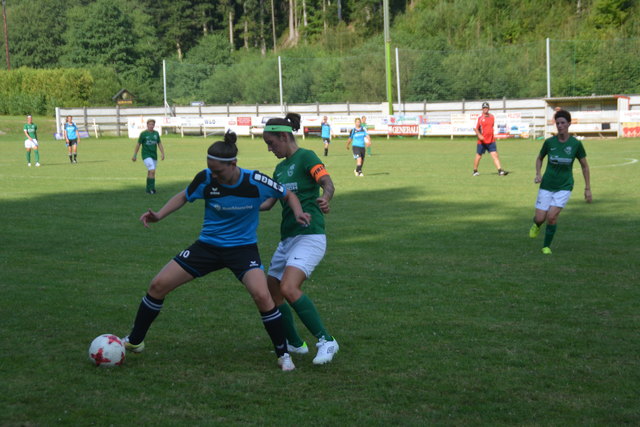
221	159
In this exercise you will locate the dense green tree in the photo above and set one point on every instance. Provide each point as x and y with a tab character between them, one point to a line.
223	52
35	33
178	24
101	34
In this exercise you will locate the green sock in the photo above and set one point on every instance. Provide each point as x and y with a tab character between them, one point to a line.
307	312
290	329
151	184
548	234
28	156
37	156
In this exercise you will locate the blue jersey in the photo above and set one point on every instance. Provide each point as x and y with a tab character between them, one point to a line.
71	129
231	212
326	131
358	136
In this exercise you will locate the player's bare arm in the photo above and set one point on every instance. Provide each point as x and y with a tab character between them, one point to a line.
327	193
174	203
302	217
587	179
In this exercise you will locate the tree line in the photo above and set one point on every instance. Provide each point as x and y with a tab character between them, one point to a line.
329	50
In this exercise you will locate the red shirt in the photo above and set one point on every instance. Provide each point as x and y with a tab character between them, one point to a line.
485	127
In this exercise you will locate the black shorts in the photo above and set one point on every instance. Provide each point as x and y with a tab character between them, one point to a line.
201	258
326	140
73	142
358	152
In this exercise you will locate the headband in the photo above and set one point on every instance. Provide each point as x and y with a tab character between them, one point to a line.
221	159
278	128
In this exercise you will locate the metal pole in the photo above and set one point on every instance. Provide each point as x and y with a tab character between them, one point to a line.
6	33
280	82
164	85
398	80
548	69
387	55
58	127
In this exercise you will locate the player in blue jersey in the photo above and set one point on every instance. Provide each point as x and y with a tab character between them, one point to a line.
71	138
325	134
358	139
232	198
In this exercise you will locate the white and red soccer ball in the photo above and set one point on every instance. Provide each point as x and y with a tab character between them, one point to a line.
107	350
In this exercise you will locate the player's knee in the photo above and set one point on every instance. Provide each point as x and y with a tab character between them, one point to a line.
159	287
263	301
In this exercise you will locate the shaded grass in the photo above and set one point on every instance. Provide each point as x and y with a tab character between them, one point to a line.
445	310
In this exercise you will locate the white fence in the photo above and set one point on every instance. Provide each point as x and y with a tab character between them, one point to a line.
598	115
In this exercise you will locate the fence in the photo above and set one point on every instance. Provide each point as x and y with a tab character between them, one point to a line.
534	112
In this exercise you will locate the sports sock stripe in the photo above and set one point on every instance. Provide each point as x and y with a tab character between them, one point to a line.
271	316
151	305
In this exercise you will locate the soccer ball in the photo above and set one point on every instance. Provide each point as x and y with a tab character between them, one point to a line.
107	350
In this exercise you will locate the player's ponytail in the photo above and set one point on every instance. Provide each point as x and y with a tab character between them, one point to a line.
289	124
226	150
294	119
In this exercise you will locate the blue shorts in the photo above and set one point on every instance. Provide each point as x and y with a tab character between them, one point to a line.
202	258
483	148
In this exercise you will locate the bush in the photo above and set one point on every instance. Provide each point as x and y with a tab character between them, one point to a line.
30	91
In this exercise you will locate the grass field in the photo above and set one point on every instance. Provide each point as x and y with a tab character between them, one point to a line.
445	310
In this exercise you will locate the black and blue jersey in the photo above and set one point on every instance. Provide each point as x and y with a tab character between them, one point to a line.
231	212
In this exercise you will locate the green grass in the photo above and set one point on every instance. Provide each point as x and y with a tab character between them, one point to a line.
445	310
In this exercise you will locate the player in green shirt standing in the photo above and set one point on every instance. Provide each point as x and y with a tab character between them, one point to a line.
557	182
31	143
149	140
301	248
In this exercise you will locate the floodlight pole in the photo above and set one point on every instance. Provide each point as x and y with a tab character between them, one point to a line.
548	68
164	85
398	79
387	54
6	33
280	83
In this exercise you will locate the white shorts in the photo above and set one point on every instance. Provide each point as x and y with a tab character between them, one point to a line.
150	163
548	198
30	143
303	252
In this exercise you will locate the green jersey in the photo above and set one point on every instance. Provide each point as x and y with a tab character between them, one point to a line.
559	173
32	130
149	142
298	174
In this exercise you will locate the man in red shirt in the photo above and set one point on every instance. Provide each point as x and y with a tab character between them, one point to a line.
486	140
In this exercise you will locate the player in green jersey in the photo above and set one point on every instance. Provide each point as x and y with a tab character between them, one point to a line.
31	143
301	248
557	182
367	142
149	140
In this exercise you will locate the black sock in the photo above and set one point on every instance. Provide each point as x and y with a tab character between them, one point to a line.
75	157
70	159
274	325
147	312
326	151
